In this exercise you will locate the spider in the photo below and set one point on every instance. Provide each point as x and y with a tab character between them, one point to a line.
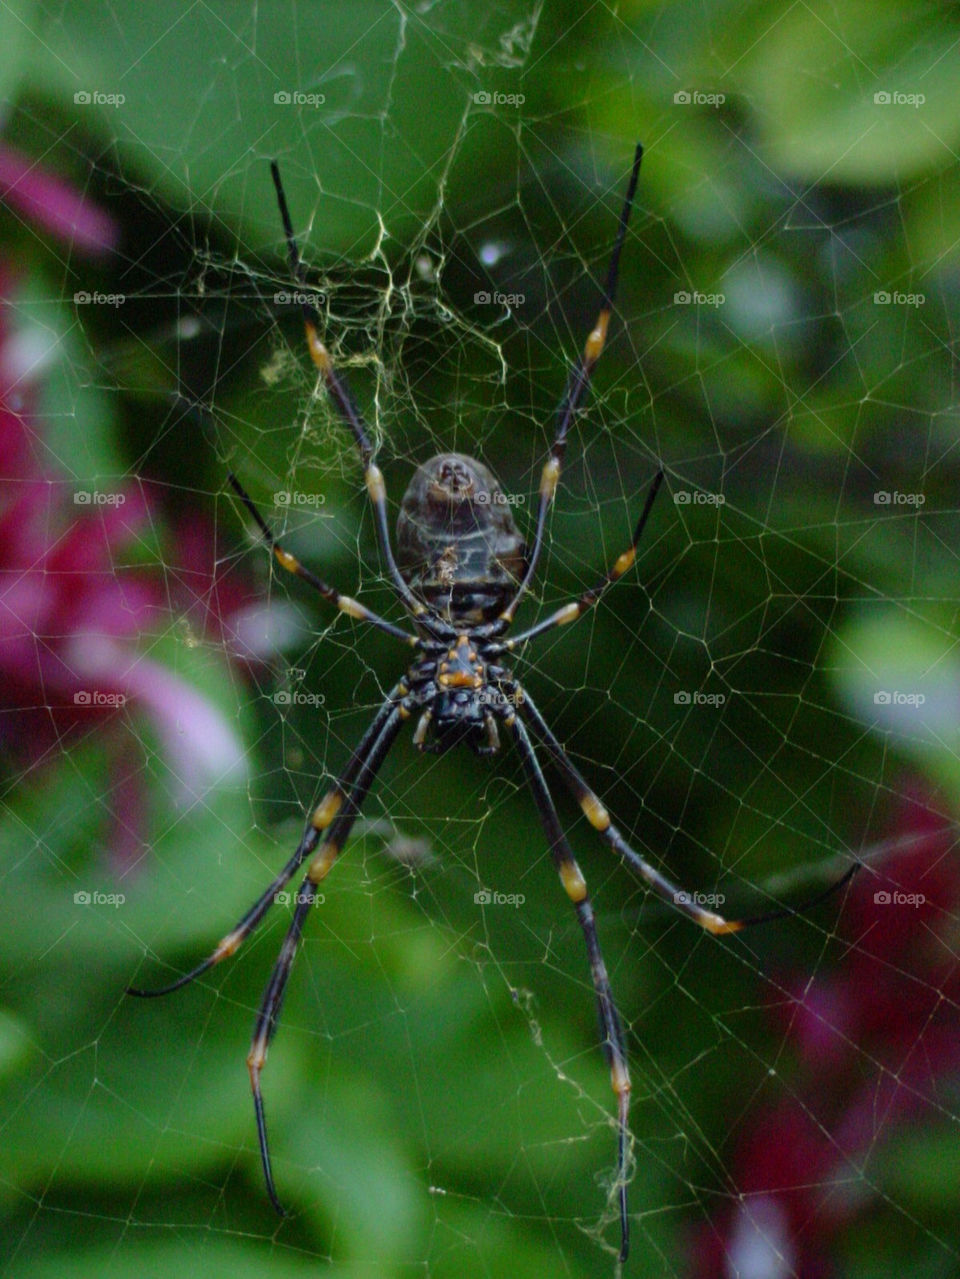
461	571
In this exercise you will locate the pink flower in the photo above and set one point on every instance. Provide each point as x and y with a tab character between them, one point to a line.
49	202
72	615
873	1042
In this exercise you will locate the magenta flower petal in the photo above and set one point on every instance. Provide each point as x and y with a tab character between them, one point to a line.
200	747
54	204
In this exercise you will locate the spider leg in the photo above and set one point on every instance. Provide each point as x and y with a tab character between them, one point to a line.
334	839
576	888
353	608
577	385
576	608
599	819
321	818
346	407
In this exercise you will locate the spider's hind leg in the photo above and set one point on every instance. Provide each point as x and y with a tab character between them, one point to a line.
611	1031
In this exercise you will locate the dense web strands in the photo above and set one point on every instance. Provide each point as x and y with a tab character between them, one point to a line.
462	573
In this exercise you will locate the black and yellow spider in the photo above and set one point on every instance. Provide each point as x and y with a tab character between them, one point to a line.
461	571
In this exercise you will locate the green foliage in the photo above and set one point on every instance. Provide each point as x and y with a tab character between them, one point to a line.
436	1096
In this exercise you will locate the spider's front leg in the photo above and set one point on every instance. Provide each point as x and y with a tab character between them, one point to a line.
345	406
577	386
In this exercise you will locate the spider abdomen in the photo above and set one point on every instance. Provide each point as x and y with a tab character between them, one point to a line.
458	547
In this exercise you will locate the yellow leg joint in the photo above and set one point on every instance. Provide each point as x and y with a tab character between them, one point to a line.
719	926
569	613
596	340
624	562
573	881
320	866
318	352
227	946
550	478
326	810
352	608
596	814
375	485
619	1078
286	560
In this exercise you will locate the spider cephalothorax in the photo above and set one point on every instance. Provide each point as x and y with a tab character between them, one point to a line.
461	571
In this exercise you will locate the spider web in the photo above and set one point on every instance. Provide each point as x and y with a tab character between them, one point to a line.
770	693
